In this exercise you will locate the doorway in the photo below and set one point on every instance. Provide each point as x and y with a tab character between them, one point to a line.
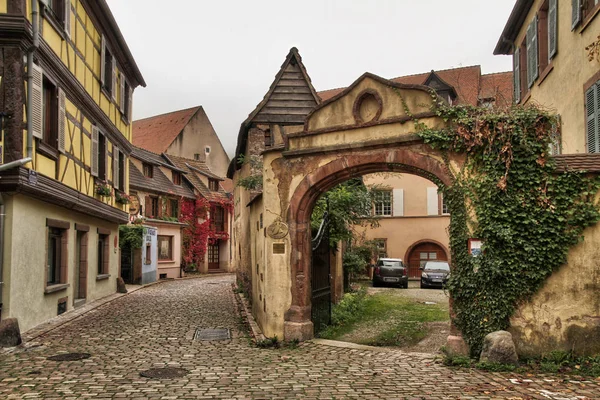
213	256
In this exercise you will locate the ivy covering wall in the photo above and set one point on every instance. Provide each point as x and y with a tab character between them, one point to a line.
509	195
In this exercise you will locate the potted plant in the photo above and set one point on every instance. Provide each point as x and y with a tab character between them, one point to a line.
103	190
121	198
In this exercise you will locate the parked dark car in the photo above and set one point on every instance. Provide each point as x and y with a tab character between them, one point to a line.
435	274
390	271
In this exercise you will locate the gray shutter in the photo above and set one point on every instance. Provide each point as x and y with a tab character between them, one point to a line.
103	62
576	16
94	148
130	105
517	75
115	167
68	17
62	120
122	95
592	111
532	52
552	29
113	89
432	201
37	102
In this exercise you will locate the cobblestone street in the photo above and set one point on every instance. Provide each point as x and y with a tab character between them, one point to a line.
154	327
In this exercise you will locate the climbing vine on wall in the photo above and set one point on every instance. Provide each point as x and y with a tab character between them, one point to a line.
196	231
508	194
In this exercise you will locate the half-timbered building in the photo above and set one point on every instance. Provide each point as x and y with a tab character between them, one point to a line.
67	80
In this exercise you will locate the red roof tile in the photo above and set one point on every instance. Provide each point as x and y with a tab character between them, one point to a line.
467	81
157	133
498	86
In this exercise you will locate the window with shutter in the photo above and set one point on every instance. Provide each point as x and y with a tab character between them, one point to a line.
122	94
532	53
103	62
116	173
552	29
432	201
37	101
576	13
68	17
128	111
592	110
517	75
115	84
95	150
62	120
398	205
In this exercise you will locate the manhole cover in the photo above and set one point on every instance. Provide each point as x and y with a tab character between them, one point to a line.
212	334
69	357
164	373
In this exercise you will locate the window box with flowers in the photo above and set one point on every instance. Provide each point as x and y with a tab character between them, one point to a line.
103	190
121	197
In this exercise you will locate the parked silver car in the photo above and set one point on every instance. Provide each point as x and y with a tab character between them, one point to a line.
390	271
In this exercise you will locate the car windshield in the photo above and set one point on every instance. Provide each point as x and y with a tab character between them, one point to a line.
437	265
390	263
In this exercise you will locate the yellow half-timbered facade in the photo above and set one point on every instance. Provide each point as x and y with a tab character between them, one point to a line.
67	81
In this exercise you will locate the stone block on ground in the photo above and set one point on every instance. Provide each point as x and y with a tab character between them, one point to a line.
121	285
10	334
499	348
456	346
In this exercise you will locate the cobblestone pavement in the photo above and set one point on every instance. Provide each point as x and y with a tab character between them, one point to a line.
154	327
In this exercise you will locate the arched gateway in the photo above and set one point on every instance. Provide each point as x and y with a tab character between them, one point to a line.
367	128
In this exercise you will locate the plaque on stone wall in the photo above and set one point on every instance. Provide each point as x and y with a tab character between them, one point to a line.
278	229
278	248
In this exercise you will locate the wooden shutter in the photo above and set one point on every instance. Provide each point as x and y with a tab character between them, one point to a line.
62	120
398	202
169	209
116	174
94	156
160	207
37	102
148	206
122	95
129	104
68	17
432	201
114	87
103	62
592	110
517	75
532	52
552	29
576	13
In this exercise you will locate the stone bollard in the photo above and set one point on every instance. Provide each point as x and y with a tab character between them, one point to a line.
499	348
121	285
456	346
10	334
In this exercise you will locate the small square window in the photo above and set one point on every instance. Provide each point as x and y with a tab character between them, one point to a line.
177	178
148	172
213	185
165	248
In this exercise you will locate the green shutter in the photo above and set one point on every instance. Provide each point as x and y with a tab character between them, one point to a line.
592	109
576	16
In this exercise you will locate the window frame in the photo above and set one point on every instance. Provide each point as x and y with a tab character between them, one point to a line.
148	170
213	185
59	231
381	204
170	240
174	207
176	177
103	255
594	88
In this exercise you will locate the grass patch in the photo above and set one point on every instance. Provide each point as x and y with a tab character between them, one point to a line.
399	321
556	362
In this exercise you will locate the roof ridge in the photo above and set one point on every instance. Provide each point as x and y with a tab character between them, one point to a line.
497	73
436	70
146	150
167	113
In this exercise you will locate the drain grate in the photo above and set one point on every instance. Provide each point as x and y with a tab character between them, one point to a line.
212	334
164	373
70	357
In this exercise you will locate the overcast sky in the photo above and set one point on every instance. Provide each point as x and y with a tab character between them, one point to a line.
224	54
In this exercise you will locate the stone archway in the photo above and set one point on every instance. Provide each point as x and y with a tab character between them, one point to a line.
416	158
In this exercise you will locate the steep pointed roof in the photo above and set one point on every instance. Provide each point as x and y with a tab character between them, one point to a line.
158	132
289	100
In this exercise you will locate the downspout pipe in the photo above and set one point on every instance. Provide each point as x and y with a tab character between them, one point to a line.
2	212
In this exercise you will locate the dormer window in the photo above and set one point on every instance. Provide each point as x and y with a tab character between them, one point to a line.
148	172
177	178
213	185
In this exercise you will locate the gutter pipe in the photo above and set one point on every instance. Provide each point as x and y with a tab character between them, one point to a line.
2	212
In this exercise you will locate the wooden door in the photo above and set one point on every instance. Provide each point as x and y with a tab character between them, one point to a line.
421	254
213	256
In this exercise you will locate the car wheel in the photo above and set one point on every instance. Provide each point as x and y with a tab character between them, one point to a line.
375	284
405	285
422	286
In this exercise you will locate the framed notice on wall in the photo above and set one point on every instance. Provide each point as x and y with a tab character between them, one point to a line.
475	247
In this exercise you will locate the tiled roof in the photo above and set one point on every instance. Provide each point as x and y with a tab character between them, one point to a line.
467	81
578	162
498	86
159	183
227	184
157	133
195	168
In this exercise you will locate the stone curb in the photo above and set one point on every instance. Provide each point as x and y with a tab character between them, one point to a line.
72	315
247	314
